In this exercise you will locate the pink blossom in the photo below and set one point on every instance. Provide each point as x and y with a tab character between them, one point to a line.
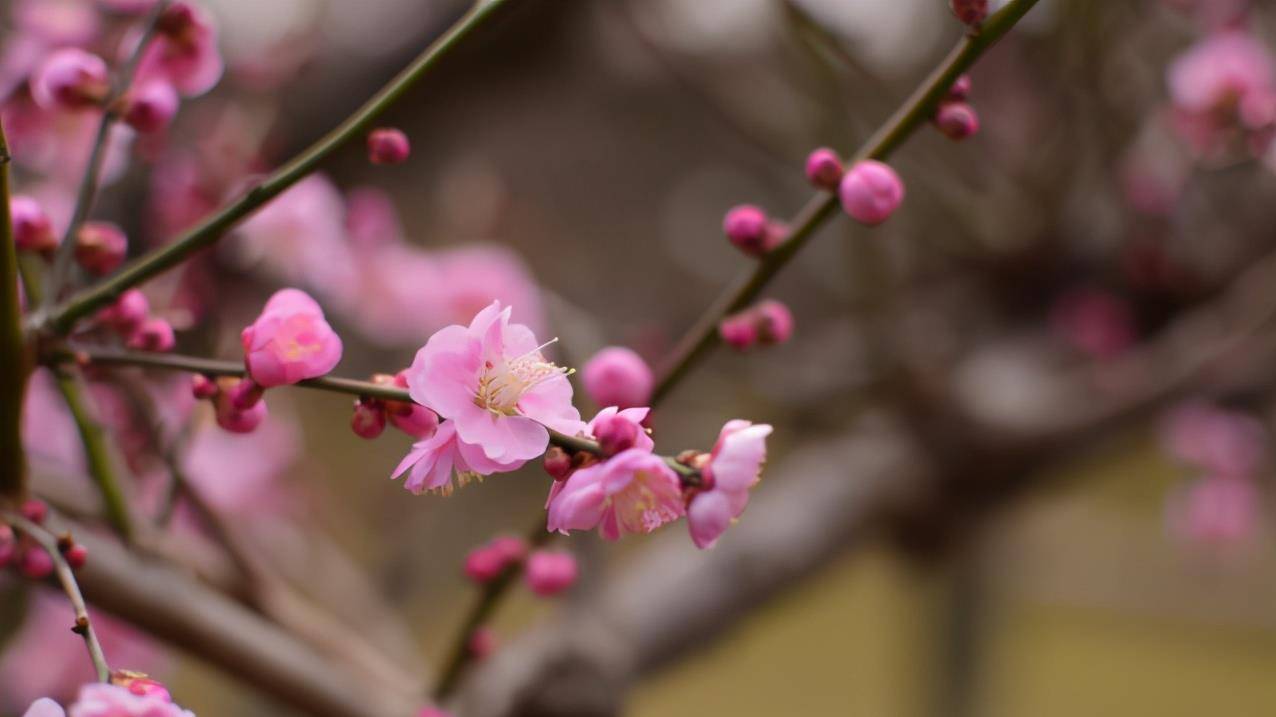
491	380
1220	71
734	467
57	22
473	276
103	700
388	145
970	12
871	192
738	331
70	79
154	334
100	247
32	230
633	492
433	461
368	420
371	218
239	474
1215	510
416	421
488	561
617	376
57	144
290	341
235	419
609	419
184	51
150	106
1222	442
35	563
44	707
549	573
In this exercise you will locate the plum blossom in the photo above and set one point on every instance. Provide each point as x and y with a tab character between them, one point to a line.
633	492
1215	510
549	573
617	376
104	700
492	382
1215	440
290	341
1226	82
433	461
734	467
871	191
184	51
300	238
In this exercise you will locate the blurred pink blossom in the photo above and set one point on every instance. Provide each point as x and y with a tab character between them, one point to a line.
1218	441
1095	322
1216	511
734	467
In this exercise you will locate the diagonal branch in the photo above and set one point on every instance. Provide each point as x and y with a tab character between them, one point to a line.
15	362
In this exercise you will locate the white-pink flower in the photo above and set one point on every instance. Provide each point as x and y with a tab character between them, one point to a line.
635	491
734	466
102	700
433	461
491	380
290	341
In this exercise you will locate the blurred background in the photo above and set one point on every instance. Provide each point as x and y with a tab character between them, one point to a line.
575	158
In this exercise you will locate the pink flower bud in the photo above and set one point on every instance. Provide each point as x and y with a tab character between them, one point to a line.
76	556
202	387
617	376
100	247
32	230
35	563
8	545
151	106
235	420
34	510
483	565
970	12
774	322
615	434
155	334
141	685
433	712
871	191
127	313
184	51
957	120
824	169
418	421
388	146
960	89
746	228
512	548
550	573
482	643
738	332
290	341
70	79
245	395
368	420
558	463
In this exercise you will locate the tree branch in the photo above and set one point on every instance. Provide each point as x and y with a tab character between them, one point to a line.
96	453
15	364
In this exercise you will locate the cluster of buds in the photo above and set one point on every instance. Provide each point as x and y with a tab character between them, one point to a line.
371	414
130	317
751	231
955	118
236	402
28	557
767	323
546	572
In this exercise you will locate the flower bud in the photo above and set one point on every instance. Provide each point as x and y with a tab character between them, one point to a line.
70	79
32	230
202	387
871	191
549	573
290	341
483	565
34	510
558	463
368	420
245	394
960	89
746	228
970	12
824	169
233	419
774	322
615	434
76	556
512	548
388	146
141	685
100	247
35	563
957	120
127	313
617	376
417	421
155	334
150	107
482	643
738	332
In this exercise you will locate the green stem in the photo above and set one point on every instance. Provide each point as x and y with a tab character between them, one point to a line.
87	191
63	317
696	344
83	626
15	364
96	454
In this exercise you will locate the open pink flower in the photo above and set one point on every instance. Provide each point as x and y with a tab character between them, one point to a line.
633	492
103	700
491	380
434	460
290	341
184	51
735	465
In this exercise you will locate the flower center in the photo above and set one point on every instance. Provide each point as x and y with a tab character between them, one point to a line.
504	382
642	508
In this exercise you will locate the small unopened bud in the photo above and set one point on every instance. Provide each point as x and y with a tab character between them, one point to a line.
871	192
34	510
246	394
202	387
368	420
774	322
150	107
155	334
35	563
746	228
738	332
32	230
549	573
233	419
558	463
970	12
615	434
416	420
824	169
140	684
960	89
388	146
100	247
957	120
70	79
488	561
76	556
617	376
127	313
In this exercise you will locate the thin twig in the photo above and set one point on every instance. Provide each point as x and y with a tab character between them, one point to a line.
15	365
63	317
83	626
97	455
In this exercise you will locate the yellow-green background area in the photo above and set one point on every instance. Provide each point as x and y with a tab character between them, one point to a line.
1089	608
